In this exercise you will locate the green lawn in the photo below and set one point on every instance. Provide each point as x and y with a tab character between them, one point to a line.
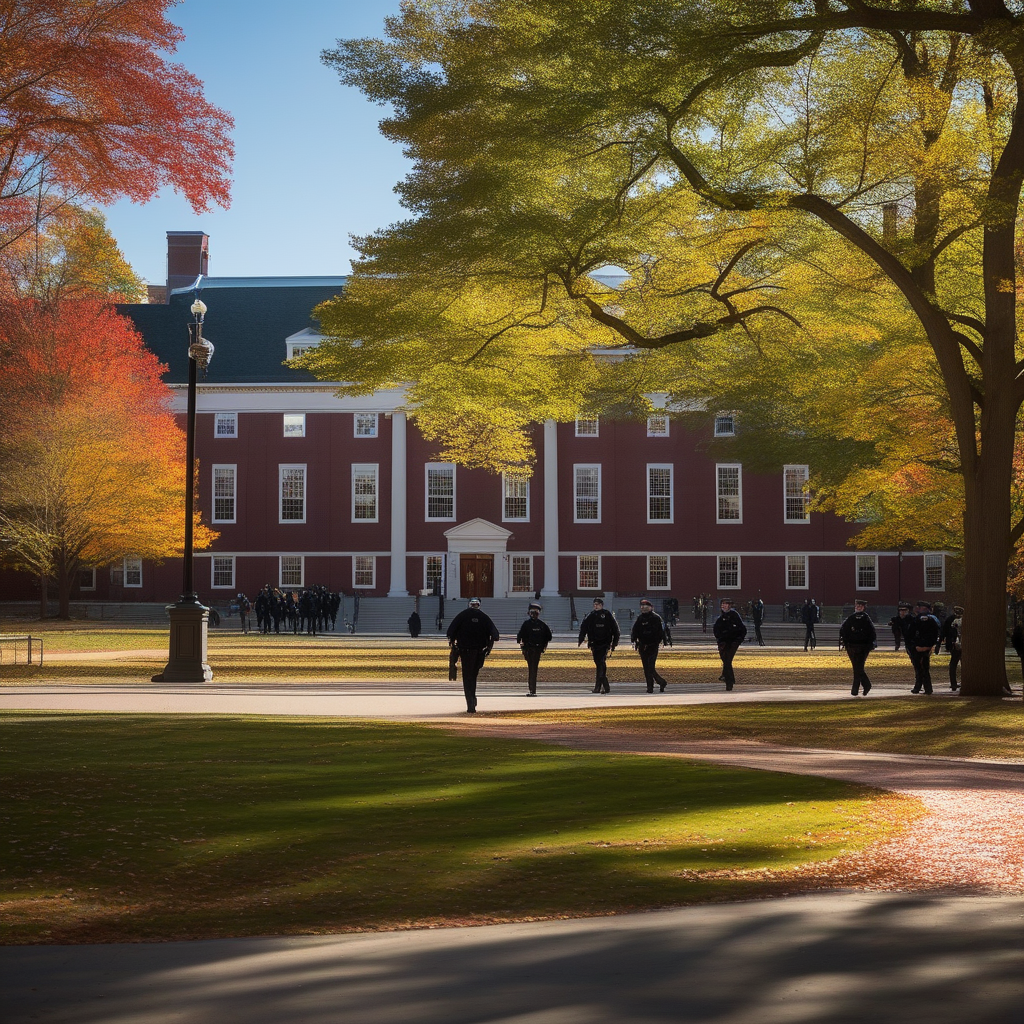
122	827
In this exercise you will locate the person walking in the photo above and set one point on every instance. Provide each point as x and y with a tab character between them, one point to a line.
950	637
243	611
473	634
757	614
414	624
729	630
809	616
648	634
601	632
921	637
898	624
857	634
533	637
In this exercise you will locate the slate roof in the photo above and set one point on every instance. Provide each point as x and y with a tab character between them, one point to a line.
247	320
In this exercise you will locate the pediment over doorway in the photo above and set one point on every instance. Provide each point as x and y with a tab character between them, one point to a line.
477	535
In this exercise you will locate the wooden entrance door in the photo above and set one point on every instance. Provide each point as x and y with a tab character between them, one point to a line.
477	575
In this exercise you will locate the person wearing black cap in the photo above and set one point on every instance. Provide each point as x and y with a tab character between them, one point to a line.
473	634
922	635
730	630
648	634
534	637
757	614
858	635
898	624
601	632
950	636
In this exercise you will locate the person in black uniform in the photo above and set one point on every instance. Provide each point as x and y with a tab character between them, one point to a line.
729	630
534	637
601	632
949	636
809	616
921	636
757	614
414	624
648	634
898	624
858	635
473	634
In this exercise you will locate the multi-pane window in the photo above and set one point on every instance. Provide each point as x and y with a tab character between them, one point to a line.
298	351
867	572
433	572
440	490
725	425
587	493
364	494
588	572
657	572
515	498
730	493
293	494
223	570
728	571
86	579
588	426
795	496
659	494
657	425
934	570
796	572
294	424
291	570
223	494
522	573
365	424
127	574
225	424
364	570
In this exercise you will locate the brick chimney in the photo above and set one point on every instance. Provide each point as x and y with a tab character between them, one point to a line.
188	256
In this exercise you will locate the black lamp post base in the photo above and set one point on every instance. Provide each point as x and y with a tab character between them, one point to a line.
188	648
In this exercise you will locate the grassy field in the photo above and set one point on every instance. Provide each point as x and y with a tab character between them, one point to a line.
157	827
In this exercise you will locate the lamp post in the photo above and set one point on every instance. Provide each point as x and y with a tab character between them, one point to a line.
186	661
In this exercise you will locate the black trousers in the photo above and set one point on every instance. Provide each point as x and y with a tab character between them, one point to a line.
532	656
858	654
649	659
757	634
897	636
922	669
472	659
809	637
600	655
954	660
727	651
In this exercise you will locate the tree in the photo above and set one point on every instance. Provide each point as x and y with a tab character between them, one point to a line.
91	460
549	142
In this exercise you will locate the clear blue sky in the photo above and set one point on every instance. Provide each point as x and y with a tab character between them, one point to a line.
310	168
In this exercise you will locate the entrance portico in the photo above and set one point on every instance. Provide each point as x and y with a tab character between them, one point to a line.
477	560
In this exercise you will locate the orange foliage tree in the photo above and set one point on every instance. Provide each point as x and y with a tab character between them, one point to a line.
91	459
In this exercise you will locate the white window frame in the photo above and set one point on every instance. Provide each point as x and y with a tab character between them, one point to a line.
426	573
941	556
364	469
284	424
512	574
805	520
133	562
583	426
234	492
806	570
667	585
226	417
356	416
719	466
214	559
663	417
725	424
576	491
507	480
280	492
426	492
280	571
92	586
739	573
671	492
356	559
856	574
579	570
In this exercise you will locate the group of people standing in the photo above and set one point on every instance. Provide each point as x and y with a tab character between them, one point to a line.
310	611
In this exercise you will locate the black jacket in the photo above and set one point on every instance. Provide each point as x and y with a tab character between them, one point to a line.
757	611
599	629
923	631
948	634
534	633
858	629
729	627
809	614
649	630
472	628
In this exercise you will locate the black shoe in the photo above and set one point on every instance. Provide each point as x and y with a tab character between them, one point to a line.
855	690
663	685
928	691
728	686
867	686
607	689
470	711
650	689
596	689
532	693
916	689
721	679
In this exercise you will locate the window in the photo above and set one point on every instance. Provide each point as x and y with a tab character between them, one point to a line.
725	425
433	573
127	574
294	424
730	493
588	426
291	570
293	494
223	494
522	573
795	496
86	579
934	570
867	572
659	494
223	571
587	494
440	490
588	572
728	571
515	506
657	425
365	424
297	351
657	572
364	494
796	572
225	424
364	571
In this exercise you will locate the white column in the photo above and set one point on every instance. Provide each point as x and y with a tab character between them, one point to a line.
550	588
399	476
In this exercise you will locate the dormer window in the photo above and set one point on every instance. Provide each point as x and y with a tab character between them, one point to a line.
300	343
